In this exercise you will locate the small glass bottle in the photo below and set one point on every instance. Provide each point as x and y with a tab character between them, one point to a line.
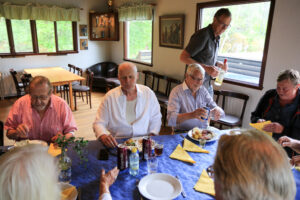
134	162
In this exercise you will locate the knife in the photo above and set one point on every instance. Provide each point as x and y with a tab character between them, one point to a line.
182	192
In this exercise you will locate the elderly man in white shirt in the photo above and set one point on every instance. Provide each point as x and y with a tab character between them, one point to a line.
129	110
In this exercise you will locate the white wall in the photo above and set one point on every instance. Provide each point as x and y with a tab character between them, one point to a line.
97	50
283	53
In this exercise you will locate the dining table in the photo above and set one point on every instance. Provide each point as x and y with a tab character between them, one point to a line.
86	176
57	76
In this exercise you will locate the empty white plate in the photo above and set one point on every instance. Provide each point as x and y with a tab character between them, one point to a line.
159	186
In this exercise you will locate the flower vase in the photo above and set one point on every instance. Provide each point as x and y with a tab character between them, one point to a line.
64	165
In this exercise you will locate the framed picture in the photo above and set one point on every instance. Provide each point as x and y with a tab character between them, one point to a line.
171	31
83	30
84	44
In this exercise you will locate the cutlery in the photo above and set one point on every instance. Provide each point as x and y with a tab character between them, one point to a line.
182	192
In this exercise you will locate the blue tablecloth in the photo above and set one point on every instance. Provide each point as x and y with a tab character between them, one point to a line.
87	176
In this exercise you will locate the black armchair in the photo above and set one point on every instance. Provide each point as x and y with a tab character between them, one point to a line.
104	74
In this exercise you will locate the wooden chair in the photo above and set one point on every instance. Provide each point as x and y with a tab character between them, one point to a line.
228	119
87	89
1	133
20	88
149	78
26	78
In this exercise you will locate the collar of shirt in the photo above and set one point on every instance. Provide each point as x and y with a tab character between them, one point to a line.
138	91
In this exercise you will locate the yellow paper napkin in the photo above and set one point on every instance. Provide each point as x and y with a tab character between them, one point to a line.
205	184
66	193
54	151
190	146
182	155
259	126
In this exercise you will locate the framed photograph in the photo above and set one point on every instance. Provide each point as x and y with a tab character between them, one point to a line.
84	44
83	30
171	31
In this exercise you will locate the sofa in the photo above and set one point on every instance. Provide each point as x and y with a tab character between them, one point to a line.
105	75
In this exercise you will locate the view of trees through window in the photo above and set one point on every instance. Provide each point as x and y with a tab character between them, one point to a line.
45	33
244	40
139	41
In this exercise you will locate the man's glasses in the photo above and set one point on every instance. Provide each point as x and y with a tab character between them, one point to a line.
42	98
225	26
196	79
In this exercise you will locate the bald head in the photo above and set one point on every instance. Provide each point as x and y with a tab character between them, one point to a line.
127	66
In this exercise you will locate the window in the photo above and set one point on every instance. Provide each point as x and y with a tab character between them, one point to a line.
34	37
138	41
245	43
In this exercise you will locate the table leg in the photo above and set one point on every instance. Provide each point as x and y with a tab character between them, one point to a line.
71	96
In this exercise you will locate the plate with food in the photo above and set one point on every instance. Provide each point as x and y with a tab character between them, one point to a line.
137	142
26	142
208	134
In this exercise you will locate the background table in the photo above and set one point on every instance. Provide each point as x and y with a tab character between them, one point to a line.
57	76
87	178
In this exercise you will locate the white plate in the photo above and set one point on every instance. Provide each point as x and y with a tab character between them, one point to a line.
63	186
212	129
160	186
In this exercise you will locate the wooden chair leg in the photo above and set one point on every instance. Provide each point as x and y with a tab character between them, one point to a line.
90	99
75	100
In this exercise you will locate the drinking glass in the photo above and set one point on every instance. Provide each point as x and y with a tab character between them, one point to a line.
202	142
152	164
158	149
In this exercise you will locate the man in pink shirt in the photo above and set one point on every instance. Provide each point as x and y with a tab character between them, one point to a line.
40	115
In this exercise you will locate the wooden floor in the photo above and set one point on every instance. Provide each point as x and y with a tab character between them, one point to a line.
84	116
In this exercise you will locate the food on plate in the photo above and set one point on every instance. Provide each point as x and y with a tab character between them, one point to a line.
202	134
138	143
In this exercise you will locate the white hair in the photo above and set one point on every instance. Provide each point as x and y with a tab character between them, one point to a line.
28	173
195	67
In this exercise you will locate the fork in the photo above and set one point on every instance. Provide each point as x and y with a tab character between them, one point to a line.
182	192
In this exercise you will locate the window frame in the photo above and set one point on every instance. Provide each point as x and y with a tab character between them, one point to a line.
125	46
35	48
198	25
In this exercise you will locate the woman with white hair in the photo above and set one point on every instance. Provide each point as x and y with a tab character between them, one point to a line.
30	173
252	166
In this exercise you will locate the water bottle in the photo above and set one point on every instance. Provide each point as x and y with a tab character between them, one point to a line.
220	77
134	162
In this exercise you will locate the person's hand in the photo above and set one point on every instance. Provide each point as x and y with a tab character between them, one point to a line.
216	113
295	160
211	70
261	120
108	141
22	131
273	127
223	66
200	112
286	141
106	180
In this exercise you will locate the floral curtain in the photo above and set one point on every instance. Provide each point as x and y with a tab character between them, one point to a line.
135	12
38	12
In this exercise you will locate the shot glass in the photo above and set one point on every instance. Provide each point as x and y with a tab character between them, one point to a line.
202	142
158	149
152	164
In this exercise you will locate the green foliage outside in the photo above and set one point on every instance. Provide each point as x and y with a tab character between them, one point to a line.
140	37
22	35
248	28
45	35
4	46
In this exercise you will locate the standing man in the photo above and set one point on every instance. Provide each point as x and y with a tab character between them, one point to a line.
129	110
203	47
187	102
40	115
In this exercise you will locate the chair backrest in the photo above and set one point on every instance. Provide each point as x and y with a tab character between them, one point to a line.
72	68
172	82
26	78
161	82
1	133
18	84
149	79
225	94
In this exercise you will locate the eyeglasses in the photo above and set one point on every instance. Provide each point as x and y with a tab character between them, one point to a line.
196	79
42	98
225	26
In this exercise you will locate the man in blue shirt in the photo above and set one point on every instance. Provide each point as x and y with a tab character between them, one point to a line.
187	101
203	47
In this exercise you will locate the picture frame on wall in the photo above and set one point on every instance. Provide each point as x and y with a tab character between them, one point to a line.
84	44
83	30
171	31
